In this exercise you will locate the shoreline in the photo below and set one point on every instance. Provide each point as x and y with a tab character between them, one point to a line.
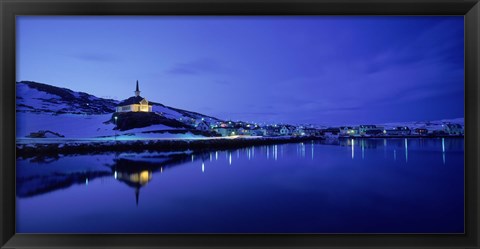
403	136
195	145
85	146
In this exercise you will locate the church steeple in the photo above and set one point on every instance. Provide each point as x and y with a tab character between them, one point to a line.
137	194
137	91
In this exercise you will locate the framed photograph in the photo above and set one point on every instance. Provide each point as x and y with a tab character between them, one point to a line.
227	124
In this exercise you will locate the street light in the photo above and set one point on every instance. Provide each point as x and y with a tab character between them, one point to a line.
116	128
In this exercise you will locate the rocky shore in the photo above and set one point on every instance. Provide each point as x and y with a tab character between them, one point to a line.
54	149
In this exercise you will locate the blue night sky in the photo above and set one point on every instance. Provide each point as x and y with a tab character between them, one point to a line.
325	69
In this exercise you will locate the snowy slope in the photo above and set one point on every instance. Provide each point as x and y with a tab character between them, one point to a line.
38	97
430	125
42	107
178	114
68	125
75	126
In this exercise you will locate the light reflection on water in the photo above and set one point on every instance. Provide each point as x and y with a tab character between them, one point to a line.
336	188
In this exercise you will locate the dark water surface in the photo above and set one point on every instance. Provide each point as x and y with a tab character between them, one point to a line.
347	186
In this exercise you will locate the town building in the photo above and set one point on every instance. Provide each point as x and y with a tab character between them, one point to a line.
311	132
225	131
332	131
300	131
421	131
344	130
398	131
374	132
284	131
134	104
202	126
291	129
348	131
273	131
258	132
243	131
453	129
369	129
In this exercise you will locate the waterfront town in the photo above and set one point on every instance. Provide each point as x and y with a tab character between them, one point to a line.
231	128
240	128
88	124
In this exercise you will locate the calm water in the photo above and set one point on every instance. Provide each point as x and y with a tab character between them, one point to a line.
348	186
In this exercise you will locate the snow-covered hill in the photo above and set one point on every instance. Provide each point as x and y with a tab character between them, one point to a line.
430	125
50	110
42	98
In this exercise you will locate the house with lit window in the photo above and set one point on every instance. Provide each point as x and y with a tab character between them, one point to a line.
226	131
242	131
344	130
299	131
134	104
421	131
348	131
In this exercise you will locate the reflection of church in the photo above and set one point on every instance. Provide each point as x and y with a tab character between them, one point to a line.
137	172
135	180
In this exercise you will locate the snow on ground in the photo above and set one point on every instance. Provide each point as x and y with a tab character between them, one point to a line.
86	128
68	125
430	125
153	136
167	112
130	138
35	98
150	128
39	110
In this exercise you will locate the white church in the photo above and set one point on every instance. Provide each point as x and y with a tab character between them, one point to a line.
134	104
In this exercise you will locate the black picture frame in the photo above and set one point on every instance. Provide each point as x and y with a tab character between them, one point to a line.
11	8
